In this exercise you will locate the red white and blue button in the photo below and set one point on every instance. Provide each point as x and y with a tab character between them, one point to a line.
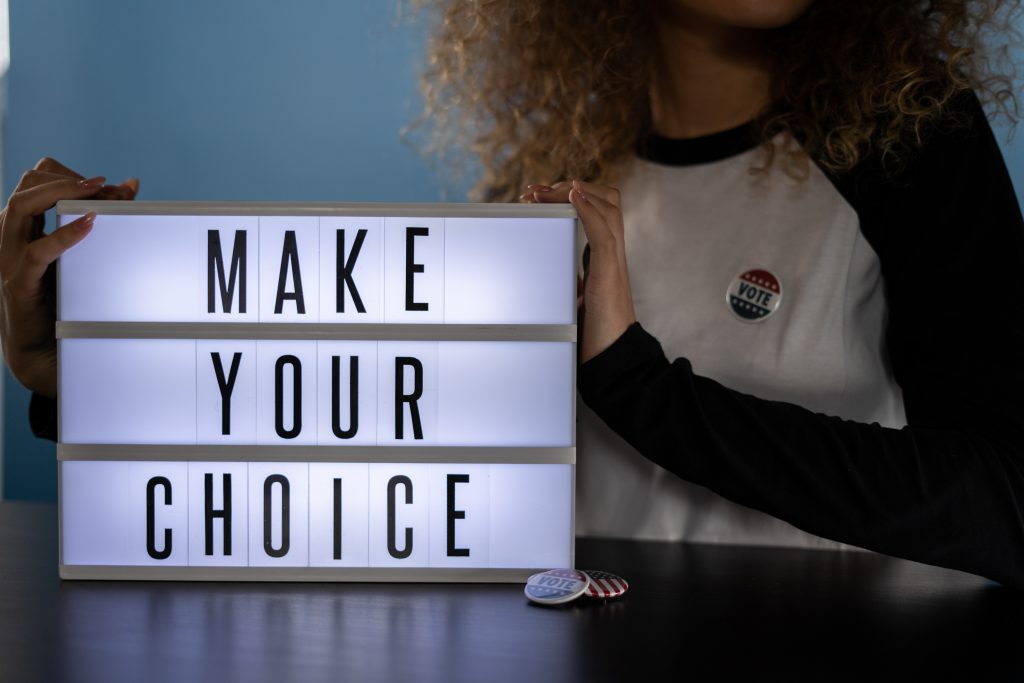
556	586
605	585
754	295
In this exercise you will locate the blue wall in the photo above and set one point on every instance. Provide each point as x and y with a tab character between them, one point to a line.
211	99
215	99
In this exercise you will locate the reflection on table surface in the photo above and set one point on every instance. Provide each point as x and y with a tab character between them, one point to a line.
700	612
308	632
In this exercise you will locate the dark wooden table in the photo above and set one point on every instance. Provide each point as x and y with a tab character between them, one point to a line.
694	613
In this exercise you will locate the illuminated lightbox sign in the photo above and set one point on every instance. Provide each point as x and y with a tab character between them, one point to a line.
317	392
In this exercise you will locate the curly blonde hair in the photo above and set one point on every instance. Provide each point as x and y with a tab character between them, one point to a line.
539	91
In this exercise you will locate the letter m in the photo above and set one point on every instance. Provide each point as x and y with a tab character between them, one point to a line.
216	277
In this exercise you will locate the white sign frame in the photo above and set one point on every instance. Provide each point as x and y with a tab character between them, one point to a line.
311	453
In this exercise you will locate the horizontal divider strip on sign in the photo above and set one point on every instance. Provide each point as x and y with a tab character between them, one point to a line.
348	574
401	210
317	331
425	454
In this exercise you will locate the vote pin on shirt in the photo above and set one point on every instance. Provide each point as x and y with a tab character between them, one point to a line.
559	586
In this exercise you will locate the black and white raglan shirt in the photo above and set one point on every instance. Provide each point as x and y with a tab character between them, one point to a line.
819	361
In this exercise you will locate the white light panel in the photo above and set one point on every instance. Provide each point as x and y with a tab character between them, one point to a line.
479	270
128	391
168	391
228	264
509	270
414	270
346	369
501	515
289	269
352	265
225	391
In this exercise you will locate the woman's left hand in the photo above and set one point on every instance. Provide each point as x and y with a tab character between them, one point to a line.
607	299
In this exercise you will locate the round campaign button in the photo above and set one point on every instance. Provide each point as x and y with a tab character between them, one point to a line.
556	586
754	295
605	585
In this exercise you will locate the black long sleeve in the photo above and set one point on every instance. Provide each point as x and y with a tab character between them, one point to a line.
948	489
42	417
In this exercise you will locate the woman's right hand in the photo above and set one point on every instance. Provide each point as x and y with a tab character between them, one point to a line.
607	299
26	256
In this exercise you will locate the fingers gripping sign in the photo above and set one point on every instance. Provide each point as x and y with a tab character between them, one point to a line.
26	257
607	299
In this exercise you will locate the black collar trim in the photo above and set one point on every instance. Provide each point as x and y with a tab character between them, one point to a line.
699	150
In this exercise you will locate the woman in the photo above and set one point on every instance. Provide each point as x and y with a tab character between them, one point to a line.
819	228
817	218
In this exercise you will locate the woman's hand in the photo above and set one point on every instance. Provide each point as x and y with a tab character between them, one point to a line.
26	257
607	299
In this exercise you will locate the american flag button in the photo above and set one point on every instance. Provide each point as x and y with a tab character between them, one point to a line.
605	585
556	586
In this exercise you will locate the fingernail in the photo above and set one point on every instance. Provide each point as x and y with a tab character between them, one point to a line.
578	184
86	222
92	182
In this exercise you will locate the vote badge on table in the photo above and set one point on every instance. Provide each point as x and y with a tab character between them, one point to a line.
317	392
561	586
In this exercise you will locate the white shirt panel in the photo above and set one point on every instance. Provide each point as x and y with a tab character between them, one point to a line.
690	231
